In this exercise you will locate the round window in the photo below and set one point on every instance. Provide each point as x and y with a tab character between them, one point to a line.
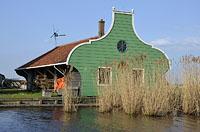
122	46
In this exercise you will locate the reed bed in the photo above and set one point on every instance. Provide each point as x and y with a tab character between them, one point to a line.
191	85
69	105
135	97
131	95
105	100
159	99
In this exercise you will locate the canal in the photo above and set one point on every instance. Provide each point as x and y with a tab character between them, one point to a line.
89	119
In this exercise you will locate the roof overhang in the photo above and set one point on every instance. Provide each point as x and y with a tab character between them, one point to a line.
27	68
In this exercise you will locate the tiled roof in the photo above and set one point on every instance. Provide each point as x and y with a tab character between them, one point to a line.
57	55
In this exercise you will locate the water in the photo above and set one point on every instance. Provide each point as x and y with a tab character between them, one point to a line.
89	119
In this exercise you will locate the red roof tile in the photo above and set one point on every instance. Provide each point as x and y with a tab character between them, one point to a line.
57	55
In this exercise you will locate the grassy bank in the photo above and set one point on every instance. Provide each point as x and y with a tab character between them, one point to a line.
16	93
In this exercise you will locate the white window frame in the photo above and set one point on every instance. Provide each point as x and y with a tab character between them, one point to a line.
142	69
110	81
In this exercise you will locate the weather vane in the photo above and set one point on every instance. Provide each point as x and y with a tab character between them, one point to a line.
55	35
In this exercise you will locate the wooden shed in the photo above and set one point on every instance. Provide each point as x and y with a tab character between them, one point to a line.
89	60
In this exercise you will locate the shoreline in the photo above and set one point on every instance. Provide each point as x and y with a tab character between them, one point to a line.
46	102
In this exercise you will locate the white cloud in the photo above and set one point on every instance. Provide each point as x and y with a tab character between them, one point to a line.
194	41
161	41
191	43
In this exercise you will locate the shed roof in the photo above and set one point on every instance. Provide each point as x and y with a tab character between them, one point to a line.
55	56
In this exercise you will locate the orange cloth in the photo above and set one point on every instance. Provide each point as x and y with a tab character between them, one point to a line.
59	83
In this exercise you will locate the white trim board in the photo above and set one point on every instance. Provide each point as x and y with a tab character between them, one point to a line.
41	66
133	26
90	41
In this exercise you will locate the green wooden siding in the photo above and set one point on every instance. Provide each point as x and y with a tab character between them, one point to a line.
87	58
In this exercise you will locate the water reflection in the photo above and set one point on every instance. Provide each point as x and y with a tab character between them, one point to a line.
123	122
89	119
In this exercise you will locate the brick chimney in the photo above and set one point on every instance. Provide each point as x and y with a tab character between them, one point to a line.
101	27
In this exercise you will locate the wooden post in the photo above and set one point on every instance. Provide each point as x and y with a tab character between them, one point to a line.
30	78
55	79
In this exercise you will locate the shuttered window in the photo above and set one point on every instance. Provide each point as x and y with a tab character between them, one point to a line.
104	76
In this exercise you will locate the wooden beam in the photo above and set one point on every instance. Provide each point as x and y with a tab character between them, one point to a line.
39	72
71	68
63	71
50	72
55	80
59	70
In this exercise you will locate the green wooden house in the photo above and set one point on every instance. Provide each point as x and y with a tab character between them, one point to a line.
90	60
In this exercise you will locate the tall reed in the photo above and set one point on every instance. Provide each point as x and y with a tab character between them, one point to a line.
131	93
122	93
135	97
105	99
69	105
161	98
160	101
191	85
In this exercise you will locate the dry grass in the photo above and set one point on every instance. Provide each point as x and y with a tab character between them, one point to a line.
159	99
69	105
131	95
105	100
123	93
191	85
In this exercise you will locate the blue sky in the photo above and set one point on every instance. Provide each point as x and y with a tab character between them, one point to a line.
26	26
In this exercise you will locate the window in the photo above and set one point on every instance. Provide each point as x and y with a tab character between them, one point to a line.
122	46
138	76
104	76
